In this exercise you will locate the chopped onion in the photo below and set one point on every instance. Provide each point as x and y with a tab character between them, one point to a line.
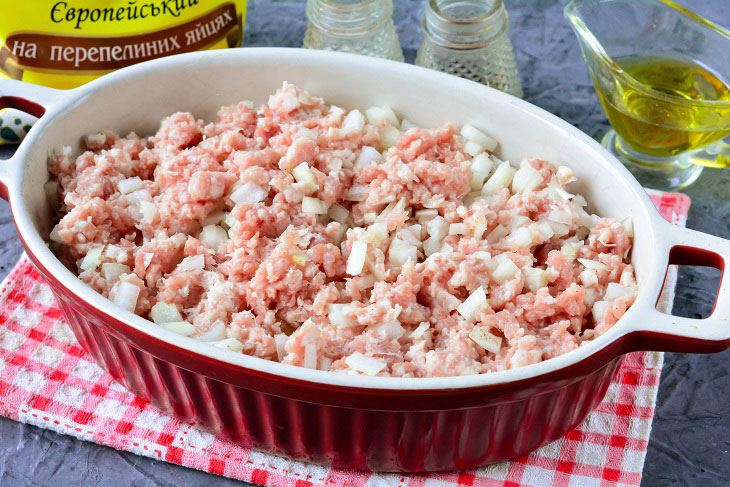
569	249
139	196
368	155
314	205
146	259
520	238
473	304
593	264
353	122
615	291
535	278
303	174
475	135
472	148
391	329
545	231
457	229
340	235
377	233
437	227
356	260
180	327
416	230
481	166
420	330
92	259
299	259
560	216
505	270
249	192
424	216
213	236
337	315
580	200
338	213
229	344
566	173
280	339
229	220
54	236
479	228
498	233
527	178
431	246
561	192
125	296
485	257
130	184
400	252
389	136
446	249
406	125
628	224
376	116
308	133
486	340
364	364
588	277
148	210
501	178
357	193
111	271
600	308
215	333
192	263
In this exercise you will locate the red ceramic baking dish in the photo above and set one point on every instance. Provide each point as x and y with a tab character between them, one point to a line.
373	423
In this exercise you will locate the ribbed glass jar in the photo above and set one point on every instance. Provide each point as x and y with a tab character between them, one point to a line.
358	26
468	38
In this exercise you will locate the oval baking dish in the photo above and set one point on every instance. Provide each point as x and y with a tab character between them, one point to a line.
360	422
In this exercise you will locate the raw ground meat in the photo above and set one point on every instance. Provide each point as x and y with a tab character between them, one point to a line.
303	233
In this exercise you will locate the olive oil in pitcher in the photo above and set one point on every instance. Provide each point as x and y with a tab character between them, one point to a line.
669	128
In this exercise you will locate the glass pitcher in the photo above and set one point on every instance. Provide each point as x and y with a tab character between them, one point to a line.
662	74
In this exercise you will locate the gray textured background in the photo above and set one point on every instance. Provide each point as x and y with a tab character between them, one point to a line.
690	441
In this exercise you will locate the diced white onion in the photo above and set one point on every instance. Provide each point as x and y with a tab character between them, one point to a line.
130	184
600	308
303	174
357	193
569	249
588	277
420	330
535	278
356	260
479	228
249	192
527	178
481	165
92	259
377	233
580	200
593	264
126	295
229	220
215	333
474	134
148	210
471	305
628	224
280	339
192	263
566	173
338	213
54	236
431	246
501	178
505	270
353	122
472	148
139	196
391	329
498	233
337	315
164	313
400	252
180	327
376	116
314	205
457	229
406	125
560	216
615	290
111	271
520	238
229	344
486	340
213	236
368	155
437	227
364	364
426	215
389	136
561	192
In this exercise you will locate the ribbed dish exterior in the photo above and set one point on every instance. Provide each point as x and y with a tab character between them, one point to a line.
346	437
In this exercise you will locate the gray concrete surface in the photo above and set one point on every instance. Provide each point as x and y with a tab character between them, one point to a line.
690	440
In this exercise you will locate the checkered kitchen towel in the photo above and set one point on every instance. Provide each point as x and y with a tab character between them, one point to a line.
48	380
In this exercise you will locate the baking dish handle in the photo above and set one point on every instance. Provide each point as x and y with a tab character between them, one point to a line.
28	98
664	332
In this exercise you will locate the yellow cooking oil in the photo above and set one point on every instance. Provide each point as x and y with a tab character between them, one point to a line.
652	121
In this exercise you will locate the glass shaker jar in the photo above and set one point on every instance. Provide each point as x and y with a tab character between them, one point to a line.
468	38
357	26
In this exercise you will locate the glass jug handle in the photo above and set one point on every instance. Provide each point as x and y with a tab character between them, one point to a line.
714	155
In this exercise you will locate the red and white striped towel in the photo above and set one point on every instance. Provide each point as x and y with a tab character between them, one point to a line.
48	380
